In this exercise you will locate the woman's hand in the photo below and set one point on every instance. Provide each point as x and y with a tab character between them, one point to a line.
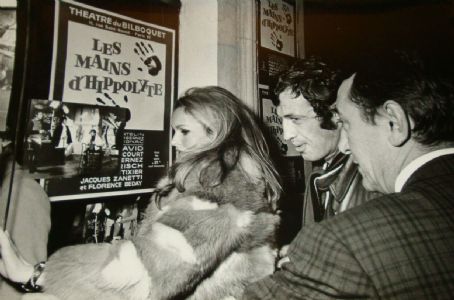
12	265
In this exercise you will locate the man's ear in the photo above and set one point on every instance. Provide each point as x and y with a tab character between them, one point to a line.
399	125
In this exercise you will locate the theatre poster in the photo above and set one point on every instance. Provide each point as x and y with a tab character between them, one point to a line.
113	79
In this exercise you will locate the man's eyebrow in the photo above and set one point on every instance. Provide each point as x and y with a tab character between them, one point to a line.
295	115
287	115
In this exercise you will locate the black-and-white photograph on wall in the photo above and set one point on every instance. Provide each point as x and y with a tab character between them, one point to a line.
66	139
7	48
107	221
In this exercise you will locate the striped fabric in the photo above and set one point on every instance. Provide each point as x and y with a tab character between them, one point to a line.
399	246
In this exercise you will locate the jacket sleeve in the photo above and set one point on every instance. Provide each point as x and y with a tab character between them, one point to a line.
321	267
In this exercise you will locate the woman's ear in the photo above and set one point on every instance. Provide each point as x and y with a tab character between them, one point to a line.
398	124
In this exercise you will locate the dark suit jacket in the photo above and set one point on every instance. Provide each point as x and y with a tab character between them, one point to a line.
398	246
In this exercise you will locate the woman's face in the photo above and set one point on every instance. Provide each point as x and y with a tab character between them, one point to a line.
190	135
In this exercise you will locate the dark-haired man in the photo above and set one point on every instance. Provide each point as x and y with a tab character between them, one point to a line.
398	122
305	95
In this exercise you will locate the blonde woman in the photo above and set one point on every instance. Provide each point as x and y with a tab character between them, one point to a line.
210	228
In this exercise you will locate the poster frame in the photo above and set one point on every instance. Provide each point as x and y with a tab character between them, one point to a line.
32	85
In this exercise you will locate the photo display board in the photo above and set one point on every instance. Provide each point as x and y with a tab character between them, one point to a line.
104	129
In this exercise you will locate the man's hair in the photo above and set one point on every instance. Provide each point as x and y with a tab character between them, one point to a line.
317	82
423	88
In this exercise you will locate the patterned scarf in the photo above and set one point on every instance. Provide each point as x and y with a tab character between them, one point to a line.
319	192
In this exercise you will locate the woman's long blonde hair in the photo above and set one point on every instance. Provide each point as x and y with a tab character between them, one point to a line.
236	137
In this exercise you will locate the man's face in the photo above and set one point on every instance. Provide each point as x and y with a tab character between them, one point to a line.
302	128
367	142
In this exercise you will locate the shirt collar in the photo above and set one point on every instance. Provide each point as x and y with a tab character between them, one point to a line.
335	159
411	168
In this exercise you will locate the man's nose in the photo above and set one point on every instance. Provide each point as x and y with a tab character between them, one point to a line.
289	130
343	145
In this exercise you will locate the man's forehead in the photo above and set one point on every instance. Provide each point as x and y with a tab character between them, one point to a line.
289	103
343	94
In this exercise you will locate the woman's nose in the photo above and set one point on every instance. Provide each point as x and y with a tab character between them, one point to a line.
174	141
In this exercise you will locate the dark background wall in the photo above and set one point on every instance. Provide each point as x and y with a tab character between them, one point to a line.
339	31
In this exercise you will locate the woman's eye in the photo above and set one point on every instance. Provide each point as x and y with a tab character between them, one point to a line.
184	131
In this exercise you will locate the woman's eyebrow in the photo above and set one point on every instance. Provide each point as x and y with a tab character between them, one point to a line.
178	126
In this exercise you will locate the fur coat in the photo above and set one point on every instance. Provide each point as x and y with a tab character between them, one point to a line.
203	243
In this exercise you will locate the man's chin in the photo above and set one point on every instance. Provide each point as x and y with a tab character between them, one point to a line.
311	158
312	155
368	185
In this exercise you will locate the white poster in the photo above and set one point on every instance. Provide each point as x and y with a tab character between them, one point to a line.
277	23
115	76
104	67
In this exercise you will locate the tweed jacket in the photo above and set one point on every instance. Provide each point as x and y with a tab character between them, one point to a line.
398	246
202	243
